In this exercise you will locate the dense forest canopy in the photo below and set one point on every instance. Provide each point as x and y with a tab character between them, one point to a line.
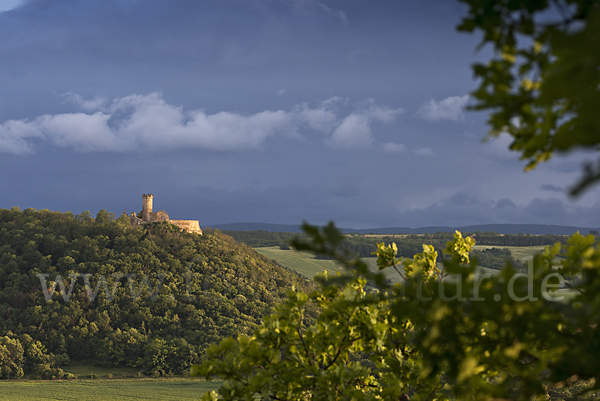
177	292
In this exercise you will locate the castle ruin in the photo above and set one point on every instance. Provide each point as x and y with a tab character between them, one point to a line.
148	216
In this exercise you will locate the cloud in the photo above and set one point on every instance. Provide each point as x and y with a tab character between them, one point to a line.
335	12
333	101
350	132
353	133
464	208
551	188
83	132
499	147
424	152
324	118
505	203
312	6
139	122
281	92
450	108
379	113
7	5
16	136
355	130
97	103
394	148
148	122
543	208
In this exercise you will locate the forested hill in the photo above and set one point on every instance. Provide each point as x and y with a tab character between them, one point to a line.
212	288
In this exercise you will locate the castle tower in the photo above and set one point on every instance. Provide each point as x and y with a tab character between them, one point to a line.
146	206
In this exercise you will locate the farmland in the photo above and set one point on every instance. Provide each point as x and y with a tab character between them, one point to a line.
106	389
307	265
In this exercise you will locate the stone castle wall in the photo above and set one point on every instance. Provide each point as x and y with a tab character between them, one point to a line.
192	226
148	216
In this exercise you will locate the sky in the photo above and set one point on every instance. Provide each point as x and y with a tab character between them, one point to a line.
273	111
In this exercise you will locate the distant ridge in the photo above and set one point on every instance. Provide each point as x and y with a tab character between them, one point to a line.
533	229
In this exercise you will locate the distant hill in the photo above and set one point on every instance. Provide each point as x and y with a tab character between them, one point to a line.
533	229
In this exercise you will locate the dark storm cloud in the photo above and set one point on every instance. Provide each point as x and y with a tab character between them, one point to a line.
226	51
464	209
256	110
505	203
552	188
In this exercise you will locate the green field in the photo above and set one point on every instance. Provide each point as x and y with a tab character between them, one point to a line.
518	252
307	265
125	389
303	263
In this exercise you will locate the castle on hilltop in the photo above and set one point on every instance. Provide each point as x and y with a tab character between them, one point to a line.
148	216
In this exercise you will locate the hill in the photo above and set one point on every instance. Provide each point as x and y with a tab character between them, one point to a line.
150	297
533	229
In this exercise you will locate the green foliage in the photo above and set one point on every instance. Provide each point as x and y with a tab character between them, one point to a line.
188	292
487	238
260	238
11	358
458	335
542	86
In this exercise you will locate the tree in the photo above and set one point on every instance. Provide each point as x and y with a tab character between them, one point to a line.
472	336
11	358
357	349
104	217
542	85
85	216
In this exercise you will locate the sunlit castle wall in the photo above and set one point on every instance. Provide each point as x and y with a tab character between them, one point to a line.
192	226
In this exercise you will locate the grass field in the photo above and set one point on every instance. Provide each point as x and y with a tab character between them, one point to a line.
306	264
518	252
301	262
111	390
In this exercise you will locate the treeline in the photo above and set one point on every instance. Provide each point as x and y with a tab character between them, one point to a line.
519	239
260	238
156	297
